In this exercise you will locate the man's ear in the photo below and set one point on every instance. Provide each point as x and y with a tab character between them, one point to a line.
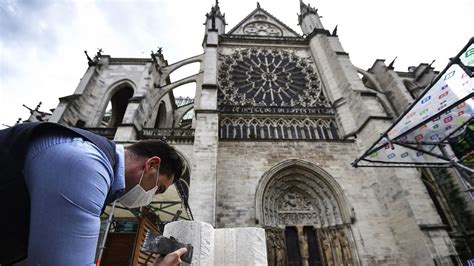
152	162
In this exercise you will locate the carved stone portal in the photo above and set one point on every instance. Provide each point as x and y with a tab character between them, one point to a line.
305	214
295	197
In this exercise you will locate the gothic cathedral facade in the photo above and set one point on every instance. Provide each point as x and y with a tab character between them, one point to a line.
269	138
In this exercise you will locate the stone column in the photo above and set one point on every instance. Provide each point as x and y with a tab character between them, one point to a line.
202	194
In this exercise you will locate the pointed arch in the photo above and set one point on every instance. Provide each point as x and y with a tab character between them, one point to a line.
160	121
297	191
116	98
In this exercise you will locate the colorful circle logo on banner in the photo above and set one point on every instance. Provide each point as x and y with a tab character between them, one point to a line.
468	58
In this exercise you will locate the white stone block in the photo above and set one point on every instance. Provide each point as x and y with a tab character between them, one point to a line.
240	246
198	234
226	246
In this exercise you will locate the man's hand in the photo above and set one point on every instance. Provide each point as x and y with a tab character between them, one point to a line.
171	259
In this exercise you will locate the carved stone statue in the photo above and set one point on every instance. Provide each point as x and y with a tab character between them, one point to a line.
271	248
276	253
98	55
326	245
336	245
89	59
303	244
280	251
346	251
95	60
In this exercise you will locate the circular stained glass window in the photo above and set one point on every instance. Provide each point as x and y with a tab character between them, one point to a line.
269	77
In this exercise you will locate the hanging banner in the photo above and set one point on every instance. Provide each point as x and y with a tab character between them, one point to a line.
467	56
442	111
450	93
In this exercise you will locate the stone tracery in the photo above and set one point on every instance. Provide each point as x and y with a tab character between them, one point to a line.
270	81
261	28
269	77
244	127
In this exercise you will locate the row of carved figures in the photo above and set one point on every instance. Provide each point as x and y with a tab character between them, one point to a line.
333	246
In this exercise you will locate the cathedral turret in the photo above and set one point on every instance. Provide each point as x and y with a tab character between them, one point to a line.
215	20
309	20
202	194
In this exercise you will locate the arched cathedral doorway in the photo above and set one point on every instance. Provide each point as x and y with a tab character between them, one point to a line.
305	215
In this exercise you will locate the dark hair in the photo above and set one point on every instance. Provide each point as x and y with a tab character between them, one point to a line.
171	162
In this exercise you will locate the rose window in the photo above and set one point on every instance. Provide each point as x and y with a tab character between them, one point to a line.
269	77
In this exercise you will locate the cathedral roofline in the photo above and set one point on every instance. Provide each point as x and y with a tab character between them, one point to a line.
126	60
259	8
263	39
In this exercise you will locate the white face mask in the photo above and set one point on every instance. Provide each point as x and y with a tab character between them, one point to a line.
137	196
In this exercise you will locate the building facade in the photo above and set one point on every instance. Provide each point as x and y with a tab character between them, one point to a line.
278	117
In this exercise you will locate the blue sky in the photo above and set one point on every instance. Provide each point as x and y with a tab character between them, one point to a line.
42	41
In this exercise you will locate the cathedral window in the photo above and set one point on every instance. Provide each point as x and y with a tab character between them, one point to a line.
161	116
116	107
265	77
281	88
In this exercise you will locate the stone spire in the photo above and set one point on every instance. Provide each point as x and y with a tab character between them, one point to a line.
215	20
308	19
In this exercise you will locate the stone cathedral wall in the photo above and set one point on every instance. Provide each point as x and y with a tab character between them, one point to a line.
242	164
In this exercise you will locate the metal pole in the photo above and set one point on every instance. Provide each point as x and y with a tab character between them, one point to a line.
466	184
104	239
464	167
